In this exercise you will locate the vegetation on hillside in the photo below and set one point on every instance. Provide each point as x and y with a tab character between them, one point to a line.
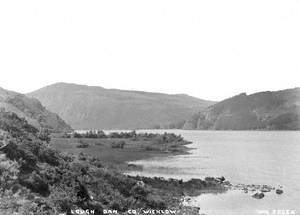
36	179
32	110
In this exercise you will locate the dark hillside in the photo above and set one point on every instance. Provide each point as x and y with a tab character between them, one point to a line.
278	110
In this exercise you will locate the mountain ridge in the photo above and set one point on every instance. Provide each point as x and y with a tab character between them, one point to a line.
86	107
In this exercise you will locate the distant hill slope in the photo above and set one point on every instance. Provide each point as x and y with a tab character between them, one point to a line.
32	110
86	107
278	110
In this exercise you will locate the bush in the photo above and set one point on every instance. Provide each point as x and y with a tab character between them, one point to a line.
17	127
82	144
49	155
22	153
77	135
66	135
118	145
35	183
9	171
44	135
82	156
131	134
155	202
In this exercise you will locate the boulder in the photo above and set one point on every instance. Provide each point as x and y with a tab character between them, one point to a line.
279	191
259	195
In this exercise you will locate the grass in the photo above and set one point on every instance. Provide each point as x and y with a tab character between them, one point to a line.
134	149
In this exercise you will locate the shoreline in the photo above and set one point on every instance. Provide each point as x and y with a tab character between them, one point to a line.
135	150
175	193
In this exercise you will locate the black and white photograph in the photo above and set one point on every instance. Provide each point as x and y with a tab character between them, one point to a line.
161	107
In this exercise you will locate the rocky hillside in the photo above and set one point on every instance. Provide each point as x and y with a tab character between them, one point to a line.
278	110
85	107
32	110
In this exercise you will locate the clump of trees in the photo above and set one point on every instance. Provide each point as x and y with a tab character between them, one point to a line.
159	138
168	138
89	134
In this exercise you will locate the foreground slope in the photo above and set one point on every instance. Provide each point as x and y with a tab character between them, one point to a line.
277	110
39	180
85	107
32	110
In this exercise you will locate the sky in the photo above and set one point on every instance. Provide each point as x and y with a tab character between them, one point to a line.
207	49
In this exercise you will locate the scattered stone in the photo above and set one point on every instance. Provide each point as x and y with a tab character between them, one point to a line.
259	195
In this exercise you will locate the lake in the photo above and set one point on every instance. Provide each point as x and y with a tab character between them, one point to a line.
248	157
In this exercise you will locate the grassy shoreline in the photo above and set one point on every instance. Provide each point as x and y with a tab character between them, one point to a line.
172	191
39	178
137	147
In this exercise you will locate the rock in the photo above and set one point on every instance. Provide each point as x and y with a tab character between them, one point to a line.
222	179
265	189
279	191
259	195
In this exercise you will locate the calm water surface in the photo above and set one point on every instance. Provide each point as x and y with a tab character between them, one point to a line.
249	157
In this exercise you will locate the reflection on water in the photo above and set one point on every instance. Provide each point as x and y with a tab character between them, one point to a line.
249	157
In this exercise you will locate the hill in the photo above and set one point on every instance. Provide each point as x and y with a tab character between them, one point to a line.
277	110
86	107
32	110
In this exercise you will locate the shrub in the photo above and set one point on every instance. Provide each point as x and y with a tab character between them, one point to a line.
44	135
9	171
77	135
82	156
82	144
17	127
155	202
49	155
66	135
35	183
118	145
